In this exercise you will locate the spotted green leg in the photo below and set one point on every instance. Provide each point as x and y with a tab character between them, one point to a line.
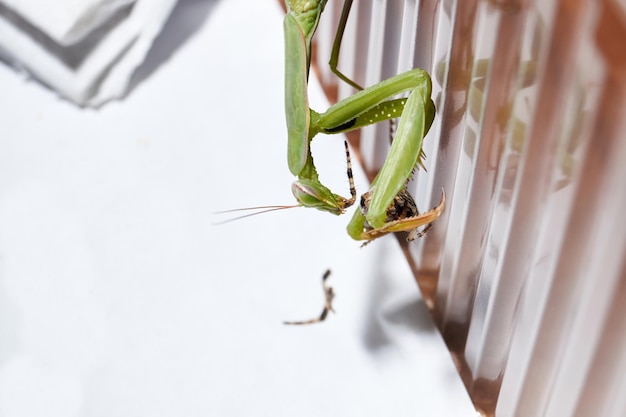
387	192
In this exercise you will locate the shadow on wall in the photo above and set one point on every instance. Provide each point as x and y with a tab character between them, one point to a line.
384	317
187	17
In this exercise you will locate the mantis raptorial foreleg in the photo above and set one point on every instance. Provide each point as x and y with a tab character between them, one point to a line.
368	106
386	208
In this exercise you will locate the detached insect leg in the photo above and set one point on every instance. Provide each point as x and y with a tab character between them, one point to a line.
329	294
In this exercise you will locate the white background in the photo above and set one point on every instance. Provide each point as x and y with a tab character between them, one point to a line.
118	295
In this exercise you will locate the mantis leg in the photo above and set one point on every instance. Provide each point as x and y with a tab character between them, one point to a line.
329	295
334	56
308	190
403	156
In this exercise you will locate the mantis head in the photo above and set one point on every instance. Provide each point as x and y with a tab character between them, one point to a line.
310	193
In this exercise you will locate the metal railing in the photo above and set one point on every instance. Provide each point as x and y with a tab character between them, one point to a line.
525	272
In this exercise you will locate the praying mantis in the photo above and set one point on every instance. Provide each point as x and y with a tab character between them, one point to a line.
386	207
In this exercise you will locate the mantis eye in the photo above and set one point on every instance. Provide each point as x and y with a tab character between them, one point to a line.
315	195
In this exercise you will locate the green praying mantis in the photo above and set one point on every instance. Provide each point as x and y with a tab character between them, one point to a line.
387	207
